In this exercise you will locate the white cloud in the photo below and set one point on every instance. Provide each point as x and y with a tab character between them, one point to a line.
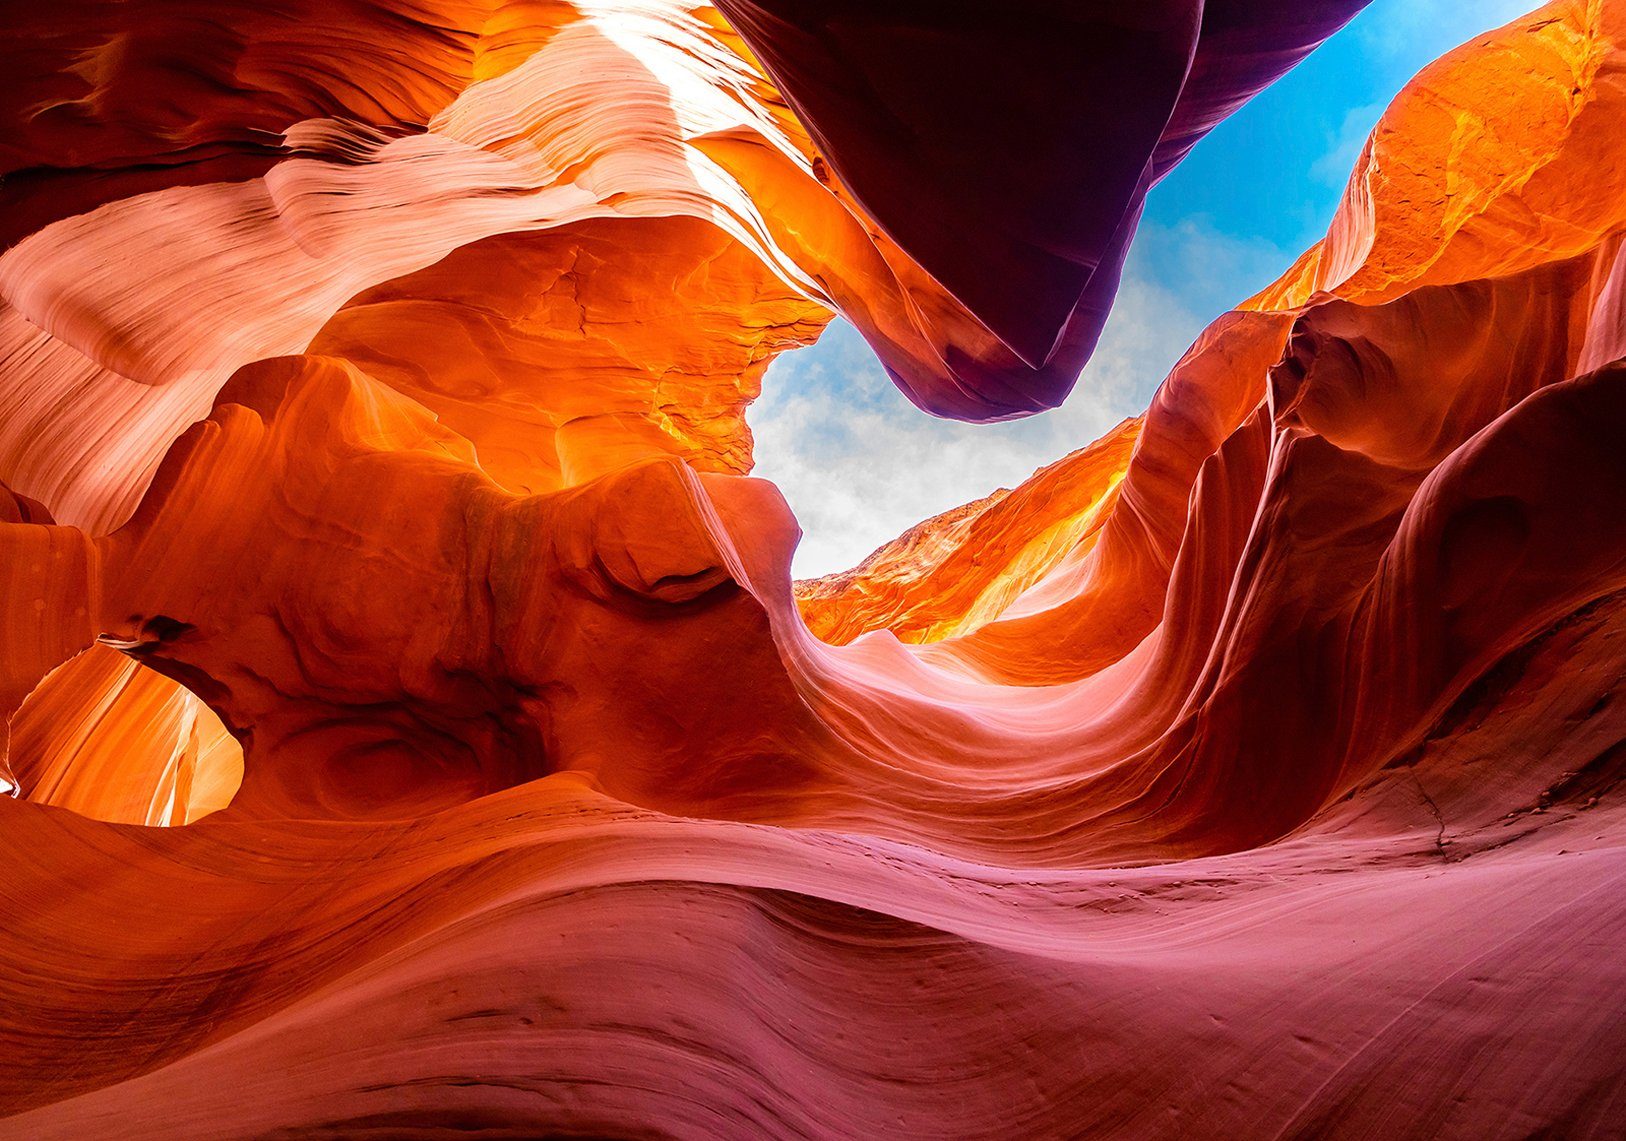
860	465
1207	270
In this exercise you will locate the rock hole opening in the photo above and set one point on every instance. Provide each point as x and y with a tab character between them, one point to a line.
111	739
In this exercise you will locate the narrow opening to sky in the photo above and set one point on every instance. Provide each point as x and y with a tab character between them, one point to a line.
860	464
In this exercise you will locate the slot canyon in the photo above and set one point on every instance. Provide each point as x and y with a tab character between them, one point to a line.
412	723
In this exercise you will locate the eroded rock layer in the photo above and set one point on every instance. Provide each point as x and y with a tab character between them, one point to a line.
375	515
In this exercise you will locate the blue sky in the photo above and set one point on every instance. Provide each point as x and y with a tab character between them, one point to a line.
860	464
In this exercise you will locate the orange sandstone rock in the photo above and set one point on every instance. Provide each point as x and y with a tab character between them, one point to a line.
1260	772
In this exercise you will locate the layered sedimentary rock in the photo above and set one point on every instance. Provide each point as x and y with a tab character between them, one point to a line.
161	242
1253	771
951	573
113	740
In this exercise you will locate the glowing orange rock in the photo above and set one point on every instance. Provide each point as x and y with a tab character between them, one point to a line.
953	573
551	352
78	743
1286	714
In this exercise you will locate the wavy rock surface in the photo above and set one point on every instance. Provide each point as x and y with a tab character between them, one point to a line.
1254	771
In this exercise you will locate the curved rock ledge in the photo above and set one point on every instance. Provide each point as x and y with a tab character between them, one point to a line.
373	425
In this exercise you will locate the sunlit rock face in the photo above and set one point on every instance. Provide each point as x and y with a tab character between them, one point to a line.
413	729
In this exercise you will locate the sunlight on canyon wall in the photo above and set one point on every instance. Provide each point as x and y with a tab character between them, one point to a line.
376	514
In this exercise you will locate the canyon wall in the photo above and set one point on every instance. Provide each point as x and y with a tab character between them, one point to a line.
413	728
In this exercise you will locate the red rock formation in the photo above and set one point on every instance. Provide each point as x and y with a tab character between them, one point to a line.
1259	774
984	148
115	741
950	574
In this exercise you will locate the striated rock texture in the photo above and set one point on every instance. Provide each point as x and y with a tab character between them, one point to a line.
374	516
